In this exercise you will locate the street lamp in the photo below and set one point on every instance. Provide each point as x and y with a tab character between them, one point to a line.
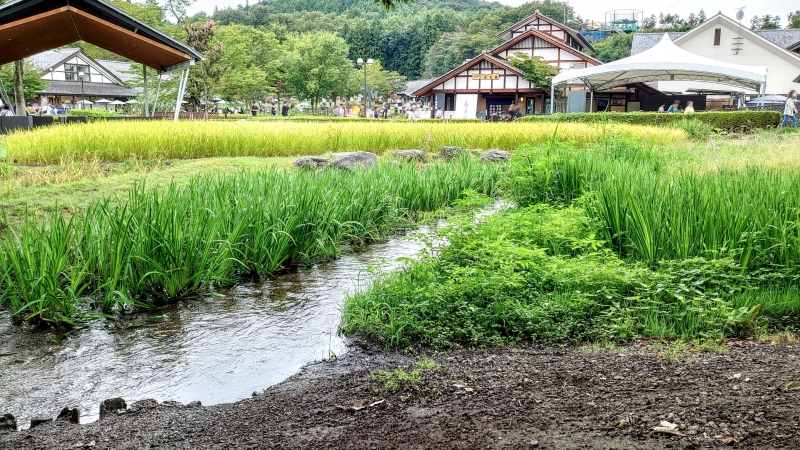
369	98
83	93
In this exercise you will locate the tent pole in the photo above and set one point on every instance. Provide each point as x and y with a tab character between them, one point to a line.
146	105
591	100
552	98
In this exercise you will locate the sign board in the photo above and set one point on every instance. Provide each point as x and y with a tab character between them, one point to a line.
485	76
466	106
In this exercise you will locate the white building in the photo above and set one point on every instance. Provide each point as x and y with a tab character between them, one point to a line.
101	79
723	39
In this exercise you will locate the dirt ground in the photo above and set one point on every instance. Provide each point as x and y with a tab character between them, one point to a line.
501	398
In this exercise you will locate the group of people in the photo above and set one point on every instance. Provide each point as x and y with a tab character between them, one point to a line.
34	109
675	108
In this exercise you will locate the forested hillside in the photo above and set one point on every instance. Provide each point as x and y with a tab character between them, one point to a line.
422	39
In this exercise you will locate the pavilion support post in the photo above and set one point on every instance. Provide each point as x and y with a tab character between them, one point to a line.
552	99
146	104
184	79
762	92
158	93
591	100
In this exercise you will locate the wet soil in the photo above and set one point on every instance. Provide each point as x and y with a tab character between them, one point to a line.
499	398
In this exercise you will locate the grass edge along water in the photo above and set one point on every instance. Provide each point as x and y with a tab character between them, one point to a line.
181	242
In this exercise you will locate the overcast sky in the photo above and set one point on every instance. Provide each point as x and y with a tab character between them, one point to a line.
595	10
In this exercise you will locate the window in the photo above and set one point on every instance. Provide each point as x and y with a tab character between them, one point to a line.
71	72
717	36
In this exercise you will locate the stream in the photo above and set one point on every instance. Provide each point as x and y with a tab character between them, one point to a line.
216	349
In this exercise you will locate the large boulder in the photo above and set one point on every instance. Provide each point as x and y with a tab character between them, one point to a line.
451	152
311	162
495	156
8	423
36	421
411	155
72	415
111	406
351	161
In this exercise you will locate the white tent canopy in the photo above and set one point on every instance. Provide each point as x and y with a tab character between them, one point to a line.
666	62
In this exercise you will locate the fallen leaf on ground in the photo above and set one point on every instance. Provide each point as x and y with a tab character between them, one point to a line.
667	428
728	440
793	385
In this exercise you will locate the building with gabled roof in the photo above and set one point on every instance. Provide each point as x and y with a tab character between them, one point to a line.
101	79
488	84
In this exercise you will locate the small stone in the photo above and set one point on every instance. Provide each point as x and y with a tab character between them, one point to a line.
495	156
142	404
72	415
451	152
36	421
195	404
171	403
8	423
410	155
111	405
534	442
351	161
311	162
690	432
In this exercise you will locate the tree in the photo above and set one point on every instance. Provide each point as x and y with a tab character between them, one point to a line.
31	81
447	53
614	48
251	60
381	83
793	19
177	8
208	72
536	70
765	22
316	66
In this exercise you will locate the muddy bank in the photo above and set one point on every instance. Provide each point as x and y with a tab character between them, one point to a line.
519	397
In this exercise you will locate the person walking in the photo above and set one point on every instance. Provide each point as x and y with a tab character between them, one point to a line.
689	108
662	108
254	110
285	110
790	110
5	111
674	107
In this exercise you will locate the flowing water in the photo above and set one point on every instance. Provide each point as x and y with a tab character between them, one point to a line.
217	349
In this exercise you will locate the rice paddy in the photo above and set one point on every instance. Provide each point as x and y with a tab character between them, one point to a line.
121	141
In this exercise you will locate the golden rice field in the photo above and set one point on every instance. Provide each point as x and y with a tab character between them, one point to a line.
120	141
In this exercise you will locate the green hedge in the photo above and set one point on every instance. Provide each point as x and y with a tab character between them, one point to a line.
732	121
92	113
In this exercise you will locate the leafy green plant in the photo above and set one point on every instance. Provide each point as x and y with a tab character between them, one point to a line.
403	378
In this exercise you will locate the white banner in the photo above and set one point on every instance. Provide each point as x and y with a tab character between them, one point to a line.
466	106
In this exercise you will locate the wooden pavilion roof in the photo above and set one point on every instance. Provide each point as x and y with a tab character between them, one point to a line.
28	27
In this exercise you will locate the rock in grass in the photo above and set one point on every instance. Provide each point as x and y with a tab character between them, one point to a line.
311	162
451	152
36	421
410	155
353	160
72	415
8	423
111	406
495	156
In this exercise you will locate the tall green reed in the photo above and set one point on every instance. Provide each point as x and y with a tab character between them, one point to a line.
163	245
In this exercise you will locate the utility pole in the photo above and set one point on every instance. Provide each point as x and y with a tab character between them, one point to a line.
19	88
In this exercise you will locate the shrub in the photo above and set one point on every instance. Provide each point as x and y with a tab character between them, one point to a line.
732	121
92	113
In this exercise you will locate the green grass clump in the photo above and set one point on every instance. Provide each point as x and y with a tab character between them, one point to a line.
610	243
401	378
181	241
